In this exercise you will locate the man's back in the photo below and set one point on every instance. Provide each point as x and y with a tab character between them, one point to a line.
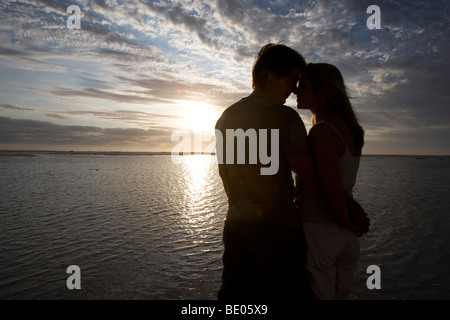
258	140
273	132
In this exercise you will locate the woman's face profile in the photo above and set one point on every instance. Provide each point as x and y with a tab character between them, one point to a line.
306	98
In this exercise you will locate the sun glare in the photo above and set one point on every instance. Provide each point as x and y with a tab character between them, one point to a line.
200	116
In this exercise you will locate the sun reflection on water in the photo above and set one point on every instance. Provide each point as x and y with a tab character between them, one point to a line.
197	175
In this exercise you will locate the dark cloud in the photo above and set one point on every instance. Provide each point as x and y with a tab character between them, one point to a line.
56	5
14	107
101	94
39	133
58	116
128	116
103	4
121	55
28	58
109	36
11	52
178	17
233	10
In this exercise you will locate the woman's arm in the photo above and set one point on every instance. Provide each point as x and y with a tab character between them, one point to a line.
303	167
357	215
324	141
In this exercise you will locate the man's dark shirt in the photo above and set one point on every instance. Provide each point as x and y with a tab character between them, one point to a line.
251	195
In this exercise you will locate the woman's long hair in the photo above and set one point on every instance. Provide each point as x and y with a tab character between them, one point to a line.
328	84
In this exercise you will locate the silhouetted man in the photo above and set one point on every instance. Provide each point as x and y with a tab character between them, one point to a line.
264	255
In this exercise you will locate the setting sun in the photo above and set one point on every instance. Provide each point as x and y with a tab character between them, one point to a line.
199	116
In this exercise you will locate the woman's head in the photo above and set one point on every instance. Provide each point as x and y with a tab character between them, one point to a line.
325	81
322	87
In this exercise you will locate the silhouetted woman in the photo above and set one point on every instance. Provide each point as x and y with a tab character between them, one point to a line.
336	139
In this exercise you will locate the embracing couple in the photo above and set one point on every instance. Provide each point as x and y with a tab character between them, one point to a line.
287	240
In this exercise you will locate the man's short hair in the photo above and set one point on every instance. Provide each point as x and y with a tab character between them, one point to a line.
275	58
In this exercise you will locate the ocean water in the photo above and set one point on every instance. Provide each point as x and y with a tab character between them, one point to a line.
144	227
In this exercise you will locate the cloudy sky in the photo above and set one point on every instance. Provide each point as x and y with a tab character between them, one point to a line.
136	71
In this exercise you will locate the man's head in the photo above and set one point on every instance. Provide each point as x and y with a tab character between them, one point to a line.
277	67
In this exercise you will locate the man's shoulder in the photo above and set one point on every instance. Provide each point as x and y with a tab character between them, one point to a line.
258	111
288	115
235	107
289	111
230	112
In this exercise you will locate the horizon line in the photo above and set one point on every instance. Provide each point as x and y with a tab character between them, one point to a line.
30	152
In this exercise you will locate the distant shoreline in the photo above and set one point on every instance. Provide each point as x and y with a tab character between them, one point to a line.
31	153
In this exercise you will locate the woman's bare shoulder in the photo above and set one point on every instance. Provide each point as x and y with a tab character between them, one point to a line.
321	131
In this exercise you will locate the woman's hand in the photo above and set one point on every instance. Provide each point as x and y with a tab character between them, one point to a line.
357	215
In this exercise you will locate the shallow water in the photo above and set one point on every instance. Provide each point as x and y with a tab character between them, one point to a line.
143	227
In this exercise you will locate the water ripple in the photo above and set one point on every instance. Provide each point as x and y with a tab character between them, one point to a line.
146	228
